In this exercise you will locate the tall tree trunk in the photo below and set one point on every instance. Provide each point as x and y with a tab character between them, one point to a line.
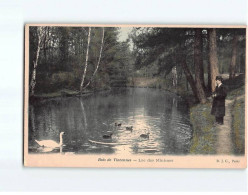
208	61
45	43
189	76
213	59
86	61
198	61
201	59
99	59
40	34
234	57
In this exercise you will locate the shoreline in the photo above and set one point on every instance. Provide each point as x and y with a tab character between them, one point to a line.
73	93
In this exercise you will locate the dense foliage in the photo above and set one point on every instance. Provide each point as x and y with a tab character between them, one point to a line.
159	47
62	58
201	53
154	52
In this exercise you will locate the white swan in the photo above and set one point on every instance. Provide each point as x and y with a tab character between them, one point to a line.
51	143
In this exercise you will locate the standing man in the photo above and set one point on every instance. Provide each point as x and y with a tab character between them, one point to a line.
219	96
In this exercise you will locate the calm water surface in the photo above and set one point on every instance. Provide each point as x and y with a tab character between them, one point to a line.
86	119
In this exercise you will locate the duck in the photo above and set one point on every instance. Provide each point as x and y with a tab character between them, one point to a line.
107	136
118	124
145	135
51	143
129	128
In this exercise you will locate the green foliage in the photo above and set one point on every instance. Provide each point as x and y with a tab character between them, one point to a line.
236	86
62	58
159	48
224	42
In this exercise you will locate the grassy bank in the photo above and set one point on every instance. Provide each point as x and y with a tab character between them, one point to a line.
67	93
236	92
238	126
149	82
204	132
238	118
166	84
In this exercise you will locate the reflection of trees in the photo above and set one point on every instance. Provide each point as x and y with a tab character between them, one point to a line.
84	114
168	125
174	118
91	117
62	111
32	124
173	124
32	118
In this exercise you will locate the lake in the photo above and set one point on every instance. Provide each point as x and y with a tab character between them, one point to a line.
85	120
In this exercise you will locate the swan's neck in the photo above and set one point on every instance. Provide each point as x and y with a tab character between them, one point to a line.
61	140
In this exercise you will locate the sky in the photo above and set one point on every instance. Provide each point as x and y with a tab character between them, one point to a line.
124	31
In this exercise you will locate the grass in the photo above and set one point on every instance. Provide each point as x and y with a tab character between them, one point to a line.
150	82
204	133
238	126
165	84
235	93
58	93
235	87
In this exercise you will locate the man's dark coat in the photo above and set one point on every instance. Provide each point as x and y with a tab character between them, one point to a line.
218	106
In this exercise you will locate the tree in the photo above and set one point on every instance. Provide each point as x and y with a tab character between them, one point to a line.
188	74
213	59
209	83
40	33
198	62
86	62
168	44
62	57
234	56
98	63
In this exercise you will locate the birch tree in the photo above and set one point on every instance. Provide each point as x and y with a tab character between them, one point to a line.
40	34
98	62
86	61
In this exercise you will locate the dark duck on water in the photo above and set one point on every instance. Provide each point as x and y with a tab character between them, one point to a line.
129	128
146	136
107	136
118	124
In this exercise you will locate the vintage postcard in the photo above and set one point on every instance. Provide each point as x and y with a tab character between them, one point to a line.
135	96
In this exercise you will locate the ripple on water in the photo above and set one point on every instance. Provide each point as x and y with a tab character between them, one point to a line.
161	114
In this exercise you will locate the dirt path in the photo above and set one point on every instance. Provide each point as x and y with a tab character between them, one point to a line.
224	140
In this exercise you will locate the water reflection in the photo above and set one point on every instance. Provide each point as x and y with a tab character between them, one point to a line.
85	121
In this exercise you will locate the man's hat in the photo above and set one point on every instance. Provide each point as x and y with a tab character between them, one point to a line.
219	78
